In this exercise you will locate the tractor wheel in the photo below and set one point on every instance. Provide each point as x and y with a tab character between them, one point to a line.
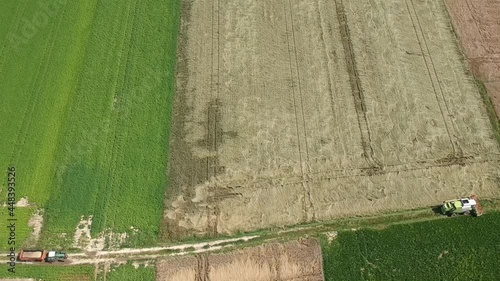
474	213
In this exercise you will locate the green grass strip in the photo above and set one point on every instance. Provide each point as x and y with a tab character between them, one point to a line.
461	248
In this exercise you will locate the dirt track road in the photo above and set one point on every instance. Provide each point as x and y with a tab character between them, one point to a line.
295	111
124	255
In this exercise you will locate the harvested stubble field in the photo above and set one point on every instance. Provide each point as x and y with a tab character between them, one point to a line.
295	260
294	111
478	25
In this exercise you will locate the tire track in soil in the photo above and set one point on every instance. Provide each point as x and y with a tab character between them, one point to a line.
301	99
291	44
202	268
357	90
106	269
365	172
320	19
96	270
277	263
450	130
214	127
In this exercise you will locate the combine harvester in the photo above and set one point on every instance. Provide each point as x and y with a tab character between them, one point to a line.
462	206
41	256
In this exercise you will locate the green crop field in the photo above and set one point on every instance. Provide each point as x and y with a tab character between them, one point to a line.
22	231
128	272
85	91
50	273
462	248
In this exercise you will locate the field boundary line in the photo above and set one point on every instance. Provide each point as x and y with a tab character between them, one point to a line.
356	87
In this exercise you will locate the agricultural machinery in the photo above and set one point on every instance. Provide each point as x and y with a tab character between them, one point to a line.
41	256
462	206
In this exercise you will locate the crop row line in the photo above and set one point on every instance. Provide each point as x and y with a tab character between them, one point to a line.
213	118
293	59
115	134
34	97
12	27
422	42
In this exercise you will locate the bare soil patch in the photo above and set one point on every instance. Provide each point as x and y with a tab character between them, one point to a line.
296	260
295	111
23	202
478	26
35	222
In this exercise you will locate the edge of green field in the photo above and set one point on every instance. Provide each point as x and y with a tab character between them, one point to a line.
49	273
462	248
89	108
22	230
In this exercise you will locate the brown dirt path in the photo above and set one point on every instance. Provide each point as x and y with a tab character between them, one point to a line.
478	25
126	254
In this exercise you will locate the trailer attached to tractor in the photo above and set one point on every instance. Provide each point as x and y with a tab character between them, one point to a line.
41	256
